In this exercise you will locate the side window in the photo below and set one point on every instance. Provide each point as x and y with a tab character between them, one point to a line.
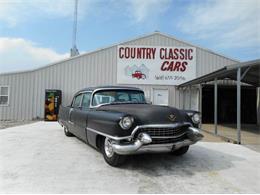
4	95
77	101
86	100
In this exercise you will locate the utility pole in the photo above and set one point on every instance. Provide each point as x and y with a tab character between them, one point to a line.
74	51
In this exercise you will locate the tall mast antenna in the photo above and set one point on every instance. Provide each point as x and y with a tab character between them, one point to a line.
74	51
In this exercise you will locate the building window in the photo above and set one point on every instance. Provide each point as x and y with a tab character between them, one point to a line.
4	95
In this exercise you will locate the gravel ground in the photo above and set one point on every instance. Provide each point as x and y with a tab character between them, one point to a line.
38	158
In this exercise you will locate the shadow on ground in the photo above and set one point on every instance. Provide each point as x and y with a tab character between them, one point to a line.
199	160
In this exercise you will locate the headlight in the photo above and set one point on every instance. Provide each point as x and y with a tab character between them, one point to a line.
126	122
196	118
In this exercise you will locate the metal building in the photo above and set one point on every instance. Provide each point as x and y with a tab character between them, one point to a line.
22	93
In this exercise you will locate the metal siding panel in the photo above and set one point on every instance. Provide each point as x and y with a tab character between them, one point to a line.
19	98
28	96
114	65
42	91
24	94
81	73
20	95
39	89
95	70
66	83
35	93
5	110
91	71
14	97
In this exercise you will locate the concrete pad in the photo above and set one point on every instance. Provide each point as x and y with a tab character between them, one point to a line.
39	158
208	137
250	134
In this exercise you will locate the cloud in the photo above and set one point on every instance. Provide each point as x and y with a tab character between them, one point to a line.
141	10
20	54
18	11
229	24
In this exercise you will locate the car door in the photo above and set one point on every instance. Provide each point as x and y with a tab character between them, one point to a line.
80	116
76	105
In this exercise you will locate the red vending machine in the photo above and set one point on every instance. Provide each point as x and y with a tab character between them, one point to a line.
52	104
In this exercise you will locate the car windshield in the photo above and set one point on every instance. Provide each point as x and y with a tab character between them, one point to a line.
118	97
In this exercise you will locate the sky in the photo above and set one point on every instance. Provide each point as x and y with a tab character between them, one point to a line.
34	33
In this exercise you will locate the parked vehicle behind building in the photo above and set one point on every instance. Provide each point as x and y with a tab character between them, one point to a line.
119	122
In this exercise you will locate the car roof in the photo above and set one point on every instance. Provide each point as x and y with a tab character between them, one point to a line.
108	87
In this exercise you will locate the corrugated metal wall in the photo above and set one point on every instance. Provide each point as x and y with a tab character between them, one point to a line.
21	96
93	69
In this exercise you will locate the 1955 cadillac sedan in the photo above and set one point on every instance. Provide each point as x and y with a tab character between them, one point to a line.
119	122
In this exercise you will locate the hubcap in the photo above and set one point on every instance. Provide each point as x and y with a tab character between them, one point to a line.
65	129
108	148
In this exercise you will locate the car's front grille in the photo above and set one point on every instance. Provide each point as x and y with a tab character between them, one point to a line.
167	140
162	135
163	131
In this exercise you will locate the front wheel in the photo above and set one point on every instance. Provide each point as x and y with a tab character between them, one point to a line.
110	156
180	151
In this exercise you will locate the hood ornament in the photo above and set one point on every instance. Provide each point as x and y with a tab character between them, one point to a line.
172	117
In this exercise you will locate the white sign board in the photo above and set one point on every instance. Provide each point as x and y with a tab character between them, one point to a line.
155	65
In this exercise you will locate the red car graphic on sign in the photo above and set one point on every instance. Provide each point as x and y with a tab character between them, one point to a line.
138	75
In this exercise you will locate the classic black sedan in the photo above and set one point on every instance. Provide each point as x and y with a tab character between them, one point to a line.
119	122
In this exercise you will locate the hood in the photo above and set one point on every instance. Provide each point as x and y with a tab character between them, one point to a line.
147	113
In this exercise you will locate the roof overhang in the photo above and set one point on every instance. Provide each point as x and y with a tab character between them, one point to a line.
250	74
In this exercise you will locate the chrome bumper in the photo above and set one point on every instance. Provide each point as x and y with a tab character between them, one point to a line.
141	144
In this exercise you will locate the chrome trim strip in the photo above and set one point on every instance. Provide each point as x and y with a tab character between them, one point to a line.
185	141
109	136
158	145
138	147
71	109
86	91
99	105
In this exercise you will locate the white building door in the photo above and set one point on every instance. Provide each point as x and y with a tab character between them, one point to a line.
161	97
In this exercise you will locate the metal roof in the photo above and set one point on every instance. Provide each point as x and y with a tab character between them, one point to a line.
250	74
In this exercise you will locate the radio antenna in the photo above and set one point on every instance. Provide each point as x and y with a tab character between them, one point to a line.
74	51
